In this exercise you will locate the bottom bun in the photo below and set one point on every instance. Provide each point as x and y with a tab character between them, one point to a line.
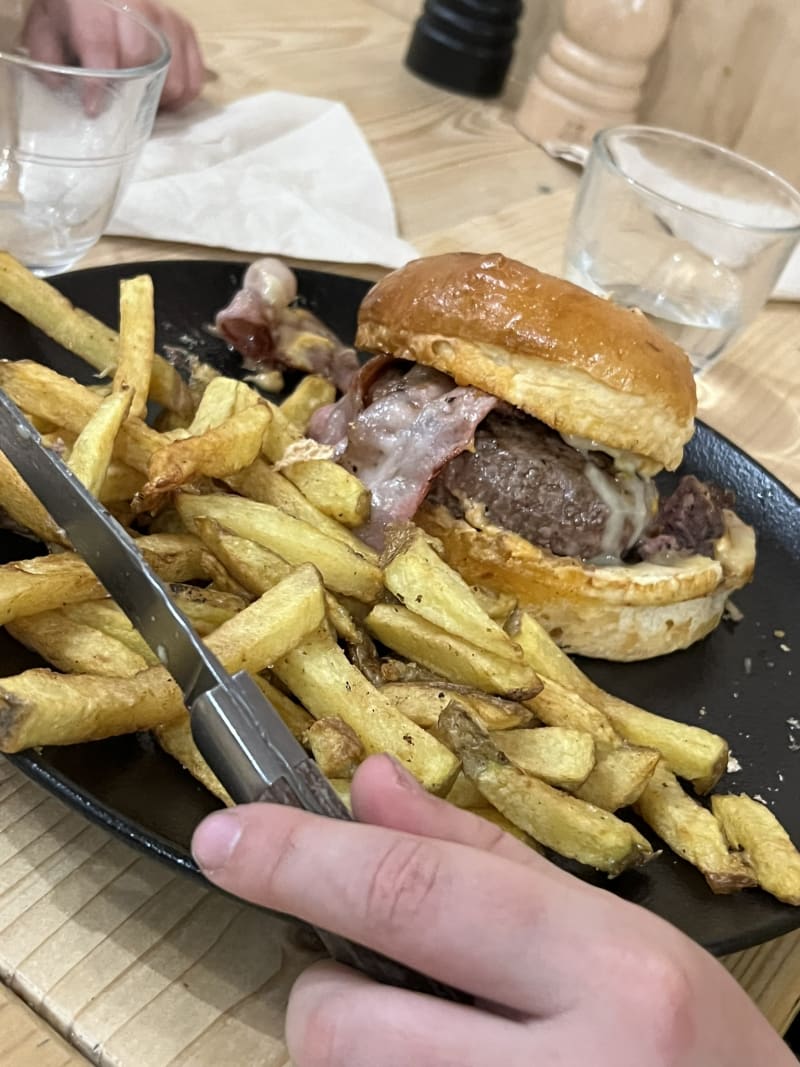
626	612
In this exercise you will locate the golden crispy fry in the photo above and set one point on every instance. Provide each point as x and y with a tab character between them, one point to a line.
75	647
493	816
257	569
310	394
556	705
341	787
556	820
560	757
426	585
19	506
690	752
77	331
423	703
255	637
44	583
343	570
498	606
447	655
335	746
296	718
90	456
767	848
691	831
217	403
325	682
39	707
267	485
121	483
330	488
465	794
219	452
619	776
137	338
176	739
37	390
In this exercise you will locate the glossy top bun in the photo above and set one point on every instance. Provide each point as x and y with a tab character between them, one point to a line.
579	363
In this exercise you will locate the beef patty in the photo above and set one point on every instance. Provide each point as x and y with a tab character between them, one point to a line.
530	481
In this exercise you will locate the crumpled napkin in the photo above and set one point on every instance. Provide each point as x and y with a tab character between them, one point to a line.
274	173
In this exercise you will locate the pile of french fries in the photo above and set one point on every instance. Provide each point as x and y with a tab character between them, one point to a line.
252	525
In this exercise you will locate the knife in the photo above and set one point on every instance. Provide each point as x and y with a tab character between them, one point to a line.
238	731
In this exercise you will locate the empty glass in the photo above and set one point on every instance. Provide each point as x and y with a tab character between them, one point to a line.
73	119
692	234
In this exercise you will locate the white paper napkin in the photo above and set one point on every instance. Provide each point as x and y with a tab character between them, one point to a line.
275	173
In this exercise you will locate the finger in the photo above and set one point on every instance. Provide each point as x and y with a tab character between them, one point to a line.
385	794
41	37
94	39
135	43
338	1018
195	67
382	887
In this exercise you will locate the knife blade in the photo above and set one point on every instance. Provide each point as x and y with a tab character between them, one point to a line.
237	730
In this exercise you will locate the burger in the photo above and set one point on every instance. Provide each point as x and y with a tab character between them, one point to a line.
522	421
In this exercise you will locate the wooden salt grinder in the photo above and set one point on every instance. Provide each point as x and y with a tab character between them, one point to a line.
592	74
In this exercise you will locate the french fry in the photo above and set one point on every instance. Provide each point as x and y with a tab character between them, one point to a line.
268	486
330	488
423	703
77	331
296	718
493	816
690	752
326	683
692	832
121	483
447	655
426	585
90	456
217	453
43	583
39	707
343	570
217	403
42	392
137	338
335	747
255	637
176	739
556	820
560	757
556	705
766	847
619	776
22	508
310	394
76	647
465	794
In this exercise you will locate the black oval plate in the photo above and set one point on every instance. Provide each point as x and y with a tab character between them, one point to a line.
739	682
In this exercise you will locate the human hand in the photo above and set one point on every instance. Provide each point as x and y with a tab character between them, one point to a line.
563	972
64	31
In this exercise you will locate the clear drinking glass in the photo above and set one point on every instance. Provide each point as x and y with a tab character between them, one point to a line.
693	235
70	134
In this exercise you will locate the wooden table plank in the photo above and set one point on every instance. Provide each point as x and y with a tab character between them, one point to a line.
27	1041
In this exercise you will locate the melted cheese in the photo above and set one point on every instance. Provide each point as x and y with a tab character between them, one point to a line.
628	499
629	462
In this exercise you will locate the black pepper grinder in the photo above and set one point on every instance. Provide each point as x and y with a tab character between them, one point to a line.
465	45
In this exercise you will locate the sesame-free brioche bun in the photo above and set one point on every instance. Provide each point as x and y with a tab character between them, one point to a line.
581	364
632	611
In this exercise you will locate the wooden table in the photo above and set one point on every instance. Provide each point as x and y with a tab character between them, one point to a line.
136	966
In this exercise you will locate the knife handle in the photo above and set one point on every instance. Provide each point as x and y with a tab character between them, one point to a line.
373	964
